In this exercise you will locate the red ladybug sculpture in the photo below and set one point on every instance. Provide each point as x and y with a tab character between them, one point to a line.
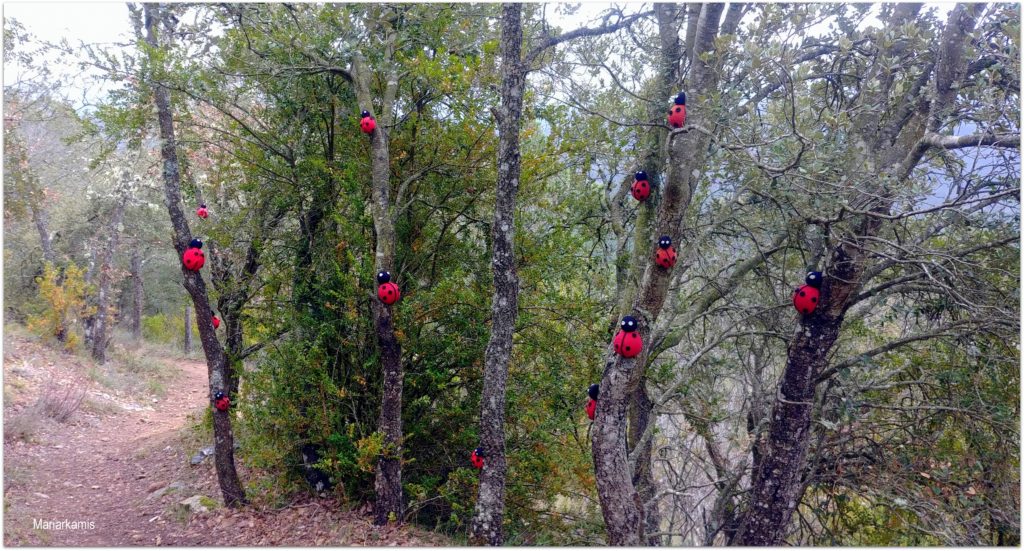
367	123
193	258
387	292
627	342
677	115
641	189
805	299
202	212
477	458
216	322
221	401
666	255
592	403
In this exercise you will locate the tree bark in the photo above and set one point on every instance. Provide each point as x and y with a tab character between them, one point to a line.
188	329
216	361
621	504
98	336
640	406
641	409
490	504
41	221
138	293
777	484
388	482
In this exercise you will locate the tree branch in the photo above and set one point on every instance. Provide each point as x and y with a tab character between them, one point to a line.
1008	140
553	41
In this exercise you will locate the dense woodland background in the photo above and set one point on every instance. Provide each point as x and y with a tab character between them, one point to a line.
878	144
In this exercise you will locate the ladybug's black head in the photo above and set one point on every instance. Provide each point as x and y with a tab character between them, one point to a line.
593	391
681	98
665	242
218	395
383	277
195	244
629	324
640	175
365	114
202	205
813	279
479	452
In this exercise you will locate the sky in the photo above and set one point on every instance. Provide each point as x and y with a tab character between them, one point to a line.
87	21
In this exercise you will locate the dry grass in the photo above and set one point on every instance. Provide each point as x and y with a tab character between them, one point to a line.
55	402
59	403
22	426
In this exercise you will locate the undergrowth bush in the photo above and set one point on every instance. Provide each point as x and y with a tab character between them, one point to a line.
64	294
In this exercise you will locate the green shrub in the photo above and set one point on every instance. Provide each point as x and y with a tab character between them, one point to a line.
64	294
163	329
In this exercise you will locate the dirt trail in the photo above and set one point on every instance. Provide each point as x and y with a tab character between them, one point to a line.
109	470
92	473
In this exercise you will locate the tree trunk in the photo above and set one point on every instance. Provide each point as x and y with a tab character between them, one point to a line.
621	504
216	361
640	414
388	482
234	344
777	481
490	505
188	329
640	407
138	294
42	224
99	337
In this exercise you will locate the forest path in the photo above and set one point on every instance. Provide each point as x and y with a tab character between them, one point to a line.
93	477
119	467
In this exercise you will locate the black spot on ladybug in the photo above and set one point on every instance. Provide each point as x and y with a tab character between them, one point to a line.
627	348
678	109
814	299
803	294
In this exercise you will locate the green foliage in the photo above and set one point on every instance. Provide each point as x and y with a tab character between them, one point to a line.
64	293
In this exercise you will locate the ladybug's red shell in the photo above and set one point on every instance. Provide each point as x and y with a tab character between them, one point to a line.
223	403
666	258
193	259
367	124
388	293
202	212
476	460
641	190
805	299
677	116
216	322
591	409
627	344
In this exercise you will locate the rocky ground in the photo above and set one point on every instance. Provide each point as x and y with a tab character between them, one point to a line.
117	470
